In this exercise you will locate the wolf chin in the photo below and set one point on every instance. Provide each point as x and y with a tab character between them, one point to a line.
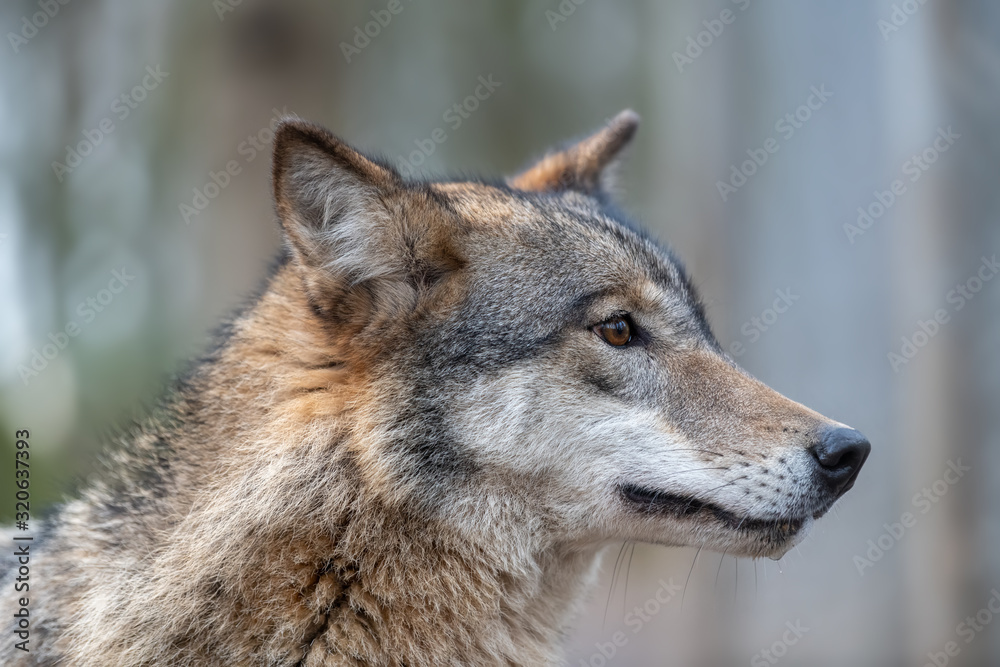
414	446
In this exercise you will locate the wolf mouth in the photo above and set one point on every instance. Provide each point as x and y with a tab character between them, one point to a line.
652	501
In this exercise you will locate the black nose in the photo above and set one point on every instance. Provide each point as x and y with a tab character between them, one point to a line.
840	453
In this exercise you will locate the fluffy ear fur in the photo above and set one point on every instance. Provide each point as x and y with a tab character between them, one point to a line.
329	200
364	241
584	165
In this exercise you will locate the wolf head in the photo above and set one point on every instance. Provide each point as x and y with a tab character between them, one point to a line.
522	356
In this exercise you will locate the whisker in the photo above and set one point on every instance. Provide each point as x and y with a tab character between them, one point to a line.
681	472
715	586
652	500
695	449
611	589
690	572
755	582
736	580
628	571
708	492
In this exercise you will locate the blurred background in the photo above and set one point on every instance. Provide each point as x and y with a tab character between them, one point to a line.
829	172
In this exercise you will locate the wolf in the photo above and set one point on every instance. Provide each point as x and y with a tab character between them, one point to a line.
414	446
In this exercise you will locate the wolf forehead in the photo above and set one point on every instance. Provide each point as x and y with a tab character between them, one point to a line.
547	261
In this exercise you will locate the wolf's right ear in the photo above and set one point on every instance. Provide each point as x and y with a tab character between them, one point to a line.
583	166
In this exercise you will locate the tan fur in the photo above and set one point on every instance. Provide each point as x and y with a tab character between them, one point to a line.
582	165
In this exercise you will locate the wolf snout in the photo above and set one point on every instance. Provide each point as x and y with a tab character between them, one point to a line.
839	453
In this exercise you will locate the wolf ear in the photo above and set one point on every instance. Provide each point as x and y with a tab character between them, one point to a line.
362	239
584	165
328	195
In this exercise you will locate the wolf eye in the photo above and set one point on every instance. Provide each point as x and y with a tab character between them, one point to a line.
617	331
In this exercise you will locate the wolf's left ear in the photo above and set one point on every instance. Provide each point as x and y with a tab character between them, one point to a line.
584	165
328	195
357	232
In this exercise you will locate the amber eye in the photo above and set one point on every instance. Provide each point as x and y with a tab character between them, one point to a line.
615	331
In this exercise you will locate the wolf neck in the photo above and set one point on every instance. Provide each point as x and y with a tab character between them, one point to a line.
303	525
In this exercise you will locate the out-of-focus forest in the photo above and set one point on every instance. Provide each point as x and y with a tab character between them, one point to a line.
839	159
